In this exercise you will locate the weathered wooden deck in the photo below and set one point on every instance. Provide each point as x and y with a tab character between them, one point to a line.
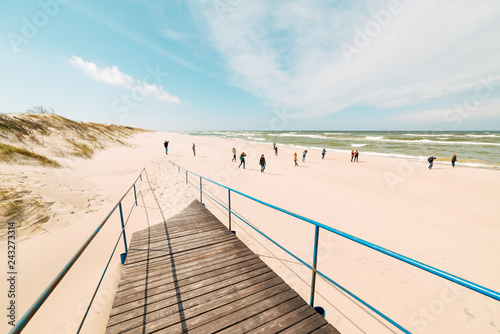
192	275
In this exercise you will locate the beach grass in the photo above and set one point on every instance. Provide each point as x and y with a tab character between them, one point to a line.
9	153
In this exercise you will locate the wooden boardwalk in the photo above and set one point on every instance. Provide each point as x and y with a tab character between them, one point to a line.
192	275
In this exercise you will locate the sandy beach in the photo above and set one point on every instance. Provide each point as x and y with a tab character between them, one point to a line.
446	217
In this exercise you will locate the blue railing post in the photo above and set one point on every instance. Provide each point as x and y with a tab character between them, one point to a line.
315	262
123	227
229	206
135	195
201	192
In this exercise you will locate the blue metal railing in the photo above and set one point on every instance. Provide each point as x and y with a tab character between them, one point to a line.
455	279
51	287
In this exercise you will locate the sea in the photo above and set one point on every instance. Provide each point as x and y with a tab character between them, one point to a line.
480	149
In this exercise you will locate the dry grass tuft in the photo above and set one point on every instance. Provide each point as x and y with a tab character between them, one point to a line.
81	149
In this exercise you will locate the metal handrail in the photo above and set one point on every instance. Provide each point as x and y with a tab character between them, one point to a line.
50	288
455	279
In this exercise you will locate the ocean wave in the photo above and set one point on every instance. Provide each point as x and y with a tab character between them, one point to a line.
374	137
429	135
358	145
481	136
302	135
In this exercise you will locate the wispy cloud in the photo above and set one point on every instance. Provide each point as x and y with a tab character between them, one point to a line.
289	52
112	75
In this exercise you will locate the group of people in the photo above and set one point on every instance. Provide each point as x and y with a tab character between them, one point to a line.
165	144
262	161
354	156
432	158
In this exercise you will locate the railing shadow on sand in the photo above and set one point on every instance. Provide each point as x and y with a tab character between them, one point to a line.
317	227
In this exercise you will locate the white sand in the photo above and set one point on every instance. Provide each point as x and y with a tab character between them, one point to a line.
447	218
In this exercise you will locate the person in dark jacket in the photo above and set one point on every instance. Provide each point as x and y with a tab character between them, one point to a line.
356	156
262	163
242	159
453	160
323	154
166	146
431	161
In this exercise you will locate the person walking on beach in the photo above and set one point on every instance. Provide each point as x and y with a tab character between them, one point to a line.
323	154
194	149
242	159
275	149
262	163
166	146
295	159
431	161
234	155
453	160
352	155
304	156
356	155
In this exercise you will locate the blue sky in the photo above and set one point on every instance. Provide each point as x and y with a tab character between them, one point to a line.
256	64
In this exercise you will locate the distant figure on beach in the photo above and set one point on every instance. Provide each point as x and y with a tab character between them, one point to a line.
295	159
323	154
304	156
453	160
242	159
166	146
352	155
356	156
262	163
234	155
431	161
194	149
275	149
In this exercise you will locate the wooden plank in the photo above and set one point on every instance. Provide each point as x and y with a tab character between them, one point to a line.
190	274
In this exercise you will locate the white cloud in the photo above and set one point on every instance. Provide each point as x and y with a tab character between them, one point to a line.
157	92
289	52
112	75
